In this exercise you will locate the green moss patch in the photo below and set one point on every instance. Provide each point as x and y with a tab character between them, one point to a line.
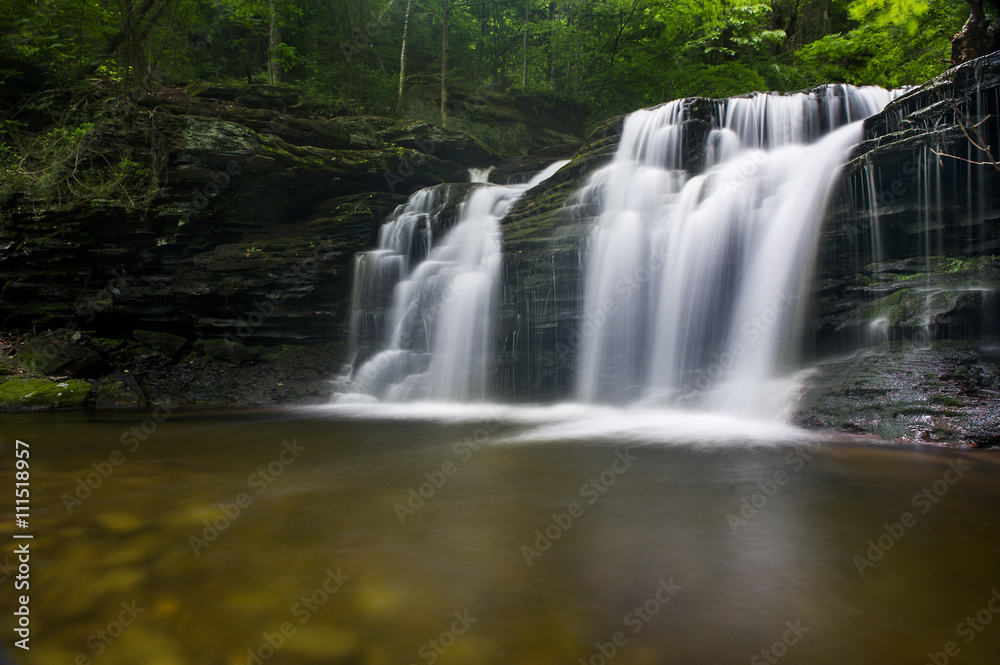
120	392
42	394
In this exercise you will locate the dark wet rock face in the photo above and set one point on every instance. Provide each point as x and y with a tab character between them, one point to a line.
242	243
251	232
120	391
915	219
545	234
230	283
910	268
909	260
944	394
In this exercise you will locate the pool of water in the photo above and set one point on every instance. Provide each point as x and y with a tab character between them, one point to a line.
494	535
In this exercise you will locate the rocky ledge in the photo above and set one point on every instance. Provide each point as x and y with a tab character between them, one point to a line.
197	246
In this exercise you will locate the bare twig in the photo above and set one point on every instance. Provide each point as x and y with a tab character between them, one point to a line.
962	159
980	142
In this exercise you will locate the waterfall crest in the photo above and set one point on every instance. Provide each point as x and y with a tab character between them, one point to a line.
692	281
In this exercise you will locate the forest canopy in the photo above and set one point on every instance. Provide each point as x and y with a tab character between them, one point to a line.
605	56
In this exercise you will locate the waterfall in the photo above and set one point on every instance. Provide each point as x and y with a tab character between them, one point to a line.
423	302
693	280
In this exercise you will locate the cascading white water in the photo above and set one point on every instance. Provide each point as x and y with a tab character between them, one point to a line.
404	240
427	306
692	282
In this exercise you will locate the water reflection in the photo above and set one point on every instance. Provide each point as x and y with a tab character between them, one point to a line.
319	564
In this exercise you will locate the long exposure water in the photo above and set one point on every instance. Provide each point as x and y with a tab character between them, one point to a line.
495	535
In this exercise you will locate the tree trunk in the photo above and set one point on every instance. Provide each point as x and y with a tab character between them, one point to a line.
128	30
524	67
573	58
552	43
273	41
444	66
402	56
971	41
166	39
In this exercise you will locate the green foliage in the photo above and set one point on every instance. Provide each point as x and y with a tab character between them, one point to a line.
721	81
947	400
59	165
42	165
605	56
885	50
901	13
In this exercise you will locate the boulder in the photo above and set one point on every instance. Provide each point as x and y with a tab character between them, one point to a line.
120	391
58	354
20	395
166	343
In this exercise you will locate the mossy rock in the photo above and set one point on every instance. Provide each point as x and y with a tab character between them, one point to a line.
166	343
225	350
42	395
60	353
211	135
120	392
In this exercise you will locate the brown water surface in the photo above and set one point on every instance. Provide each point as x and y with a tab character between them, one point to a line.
293	537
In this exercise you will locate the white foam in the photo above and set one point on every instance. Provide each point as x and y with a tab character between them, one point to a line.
577	422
